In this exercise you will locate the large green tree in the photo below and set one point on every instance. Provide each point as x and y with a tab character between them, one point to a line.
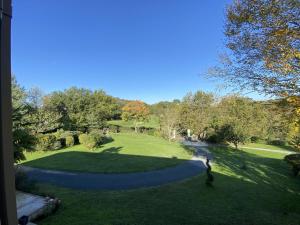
82	109
196	112
21	110
240	119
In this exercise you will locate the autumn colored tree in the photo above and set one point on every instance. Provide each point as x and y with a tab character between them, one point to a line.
291	111
137	111
263	37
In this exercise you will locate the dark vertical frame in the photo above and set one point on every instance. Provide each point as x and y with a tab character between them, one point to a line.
8	214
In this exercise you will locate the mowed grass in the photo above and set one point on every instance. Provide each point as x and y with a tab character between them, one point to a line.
264	193
128	152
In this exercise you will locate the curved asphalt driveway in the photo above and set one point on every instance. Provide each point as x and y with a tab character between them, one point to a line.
88	181
99	181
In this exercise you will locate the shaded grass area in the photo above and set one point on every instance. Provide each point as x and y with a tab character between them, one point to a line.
129	152
263	193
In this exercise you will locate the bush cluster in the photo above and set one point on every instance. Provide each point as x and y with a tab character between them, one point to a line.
91	140
277	142
69	141
47	142
57	140
114	128
22	182
294	160
61	139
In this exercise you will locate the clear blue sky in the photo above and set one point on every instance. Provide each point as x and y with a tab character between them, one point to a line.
135	49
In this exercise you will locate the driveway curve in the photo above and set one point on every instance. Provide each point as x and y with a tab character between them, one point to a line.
99	181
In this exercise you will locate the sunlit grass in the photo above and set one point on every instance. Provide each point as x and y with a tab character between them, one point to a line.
128	152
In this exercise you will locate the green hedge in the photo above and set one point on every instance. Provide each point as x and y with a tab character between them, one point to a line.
91	140
294	160
69	141
48	142
145	130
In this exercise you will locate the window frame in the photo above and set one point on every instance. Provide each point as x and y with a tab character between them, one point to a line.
8	210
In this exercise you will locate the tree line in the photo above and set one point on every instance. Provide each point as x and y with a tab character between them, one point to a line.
232	118
74	109
235	119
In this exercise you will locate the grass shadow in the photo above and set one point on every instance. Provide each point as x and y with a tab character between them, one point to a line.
108	161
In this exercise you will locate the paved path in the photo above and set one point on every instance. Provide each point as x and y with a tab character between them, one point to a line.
98	181
269	150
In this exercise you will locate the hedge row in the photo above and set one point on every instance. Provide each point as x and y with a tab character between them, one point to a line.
63	139
144	130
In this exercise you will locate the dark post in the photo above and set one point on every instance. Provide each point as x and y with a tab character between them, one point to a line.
8	215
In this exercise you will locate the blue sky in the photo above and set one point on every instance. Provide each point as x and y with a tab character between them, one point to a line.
134	49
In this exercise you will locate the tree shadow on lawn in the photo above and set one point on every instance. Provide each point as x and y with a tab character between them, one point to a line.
108	161
260	170
264	192
232	201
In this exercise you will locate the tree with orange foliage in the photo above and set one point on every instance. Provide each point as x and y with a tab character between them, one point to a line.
137	111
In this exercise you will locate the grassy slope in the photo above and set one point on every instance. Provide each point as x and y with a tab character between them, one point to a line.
265	193
128	152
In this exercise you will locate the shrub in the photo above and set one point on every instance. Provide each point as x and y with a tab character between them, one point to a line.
277	142
295	142
92	140
22	182
58	133
114	128
22	139
72	137
294	160
214	138
106	139
57	145
74	134
83	138
47	142
69	141
255	139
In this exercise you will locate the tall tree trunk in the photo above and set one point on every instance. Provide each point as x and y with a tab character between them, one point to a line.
135	127
236	145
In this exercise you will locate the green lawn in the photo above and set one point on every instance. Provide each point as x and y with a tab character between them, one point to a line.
264	193
271	147
128	152
153	122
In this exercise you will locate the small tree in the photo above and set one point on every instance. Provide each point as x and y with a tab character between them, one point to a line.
239	120
234	133
169	119
137	111
196	112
